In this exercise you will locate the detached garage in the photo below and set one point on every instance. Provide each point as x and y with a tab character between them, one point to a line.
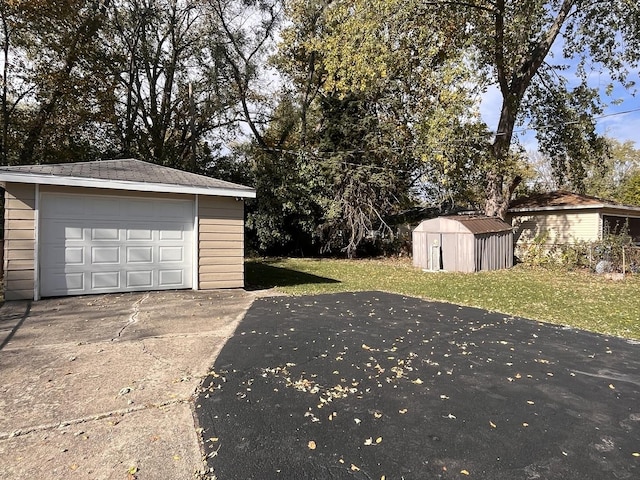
119	226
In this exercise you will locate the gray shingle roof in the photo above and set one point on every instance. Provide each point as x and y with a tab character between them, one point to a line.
126	170
560	200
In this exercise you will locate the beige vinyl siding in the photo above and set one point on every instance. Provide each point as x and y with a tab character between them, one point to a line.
220	243
19	241
561	227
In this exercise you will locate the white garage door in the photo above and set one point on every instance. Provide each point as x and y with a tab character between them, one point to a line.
103	244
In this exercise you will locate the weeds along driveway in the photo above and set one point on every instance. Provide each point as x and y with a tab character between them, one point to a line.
102	386
379	386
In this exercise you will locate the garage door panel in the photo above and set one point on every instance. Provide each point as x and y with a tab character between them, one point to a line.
176	211
140	279
59	230
105	255
72	281
102	280
112	233
104	207
171	254
139	254
140	233
114	245
73	256
62	207
171	235
170	278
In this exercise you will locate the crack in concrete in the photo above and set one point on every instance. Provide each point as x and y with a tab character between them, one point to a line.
90	418
133	318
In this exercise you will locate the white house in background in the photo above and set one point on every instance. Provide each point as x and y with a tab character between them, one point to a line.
567	218
119	226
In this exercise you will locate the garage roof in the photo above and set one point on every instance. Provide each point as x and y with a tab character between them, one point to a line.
126	174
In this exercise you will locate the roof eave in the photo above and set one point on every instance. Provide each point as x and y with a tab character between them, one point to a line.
125	185
594	206
557	207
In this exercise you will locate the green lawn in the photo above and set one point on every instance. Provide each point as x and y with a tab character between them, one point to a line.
577	299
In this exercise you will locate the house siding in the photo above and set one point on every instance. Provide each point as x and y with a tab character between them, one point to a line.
220	243
561	227
19	241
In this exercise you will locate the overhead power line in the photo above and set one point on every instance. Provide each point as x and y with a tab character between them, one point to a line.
327	153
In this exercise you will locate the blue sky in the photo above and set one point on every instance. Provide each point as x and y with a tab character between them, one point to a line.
614	123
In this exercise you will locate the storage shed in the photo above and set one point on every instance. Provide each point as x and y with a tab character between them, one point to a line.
463	244
119	226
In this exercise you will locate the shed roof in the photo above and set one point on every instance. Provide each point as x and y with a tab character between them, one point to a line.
477	225
125	174
481	224
563	200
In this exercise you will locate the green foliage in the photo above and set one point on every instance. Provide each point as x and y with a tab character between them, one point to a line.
612	249
629	192
506	43
163	80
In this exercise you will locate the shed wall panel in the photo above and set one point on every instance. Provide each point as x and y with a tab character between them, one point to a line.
489	246
220	243
19	244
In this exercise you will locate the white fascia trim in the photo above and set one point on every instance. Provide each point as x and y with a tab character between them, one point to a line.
196	244
598	206
123	185
36	246
549	209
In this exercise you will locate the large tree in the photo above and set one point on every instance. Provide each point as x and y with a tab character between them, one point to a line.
164	80
503	43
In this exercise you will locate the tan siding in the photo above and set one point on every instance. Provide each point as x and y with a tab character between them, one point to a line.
19	214
206	261
220	242
221	236
19	234
20	203
561	227
221	268
220	276
235	227
10	295
217	244
19	275
20	264
14	234
220	284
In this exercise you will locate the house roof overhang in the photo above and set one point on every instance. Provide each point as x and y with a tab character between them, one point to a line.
129	174
562	201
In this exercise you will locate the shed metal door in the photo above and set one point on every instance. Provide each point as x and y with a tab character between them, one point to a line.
103	244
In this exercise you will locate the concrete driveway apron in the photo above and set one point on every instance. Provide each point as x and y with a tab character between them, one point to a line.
102	386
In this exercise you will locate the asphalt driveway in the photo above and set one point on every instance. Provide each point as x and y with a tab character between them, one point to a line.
380	386
102	387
